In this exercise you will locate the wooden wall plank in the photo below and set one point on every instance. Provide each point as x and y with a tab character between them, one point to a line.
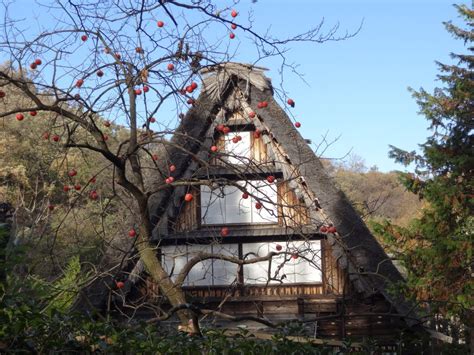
292	211
188	219
335	280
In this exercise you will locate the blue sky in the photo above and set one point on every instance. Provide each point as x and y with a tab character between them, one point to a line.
355	91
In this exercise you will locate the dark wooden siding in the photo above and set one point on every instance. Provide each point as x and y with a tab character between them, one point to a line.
292	211
259	152
328	316
334	278
188	218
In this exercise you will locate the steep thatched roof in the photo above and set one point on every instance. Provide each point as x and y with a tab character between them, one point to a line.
356	249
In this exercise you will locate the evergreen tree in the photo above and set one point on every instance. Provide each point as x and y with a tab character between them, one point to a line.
437	248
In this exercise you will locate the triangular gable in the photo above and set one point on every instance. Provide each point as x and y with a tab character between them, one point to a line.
354	247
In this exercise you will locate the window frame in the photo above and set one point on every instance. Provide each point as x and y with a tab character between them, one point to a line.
257	150
271	211
238	274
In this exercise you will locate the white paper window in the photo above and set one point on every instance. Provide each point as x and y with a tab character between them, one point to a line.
239	152
211	272
225	205
201	273
224	272
174	258
267	195
256	273
213	205
305	269
237	209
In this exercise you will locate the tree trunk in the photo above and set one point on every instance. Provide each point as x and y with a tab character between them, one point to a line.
174	294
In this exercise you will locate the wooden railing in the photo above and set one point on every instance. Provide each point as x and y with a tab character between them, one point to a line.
248	291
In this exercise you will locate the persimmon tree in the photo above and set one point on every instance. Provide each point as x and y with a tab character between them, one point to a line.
113	79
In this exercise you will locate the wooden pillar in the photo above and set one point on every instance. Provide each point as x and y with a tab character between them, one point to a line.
300	302
240	272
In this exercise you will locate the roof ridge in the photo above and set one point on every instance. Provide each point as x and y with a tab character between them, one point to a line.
216	79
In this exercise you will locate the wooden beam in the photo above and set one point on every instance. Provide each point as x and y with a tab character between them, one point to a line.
440	336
